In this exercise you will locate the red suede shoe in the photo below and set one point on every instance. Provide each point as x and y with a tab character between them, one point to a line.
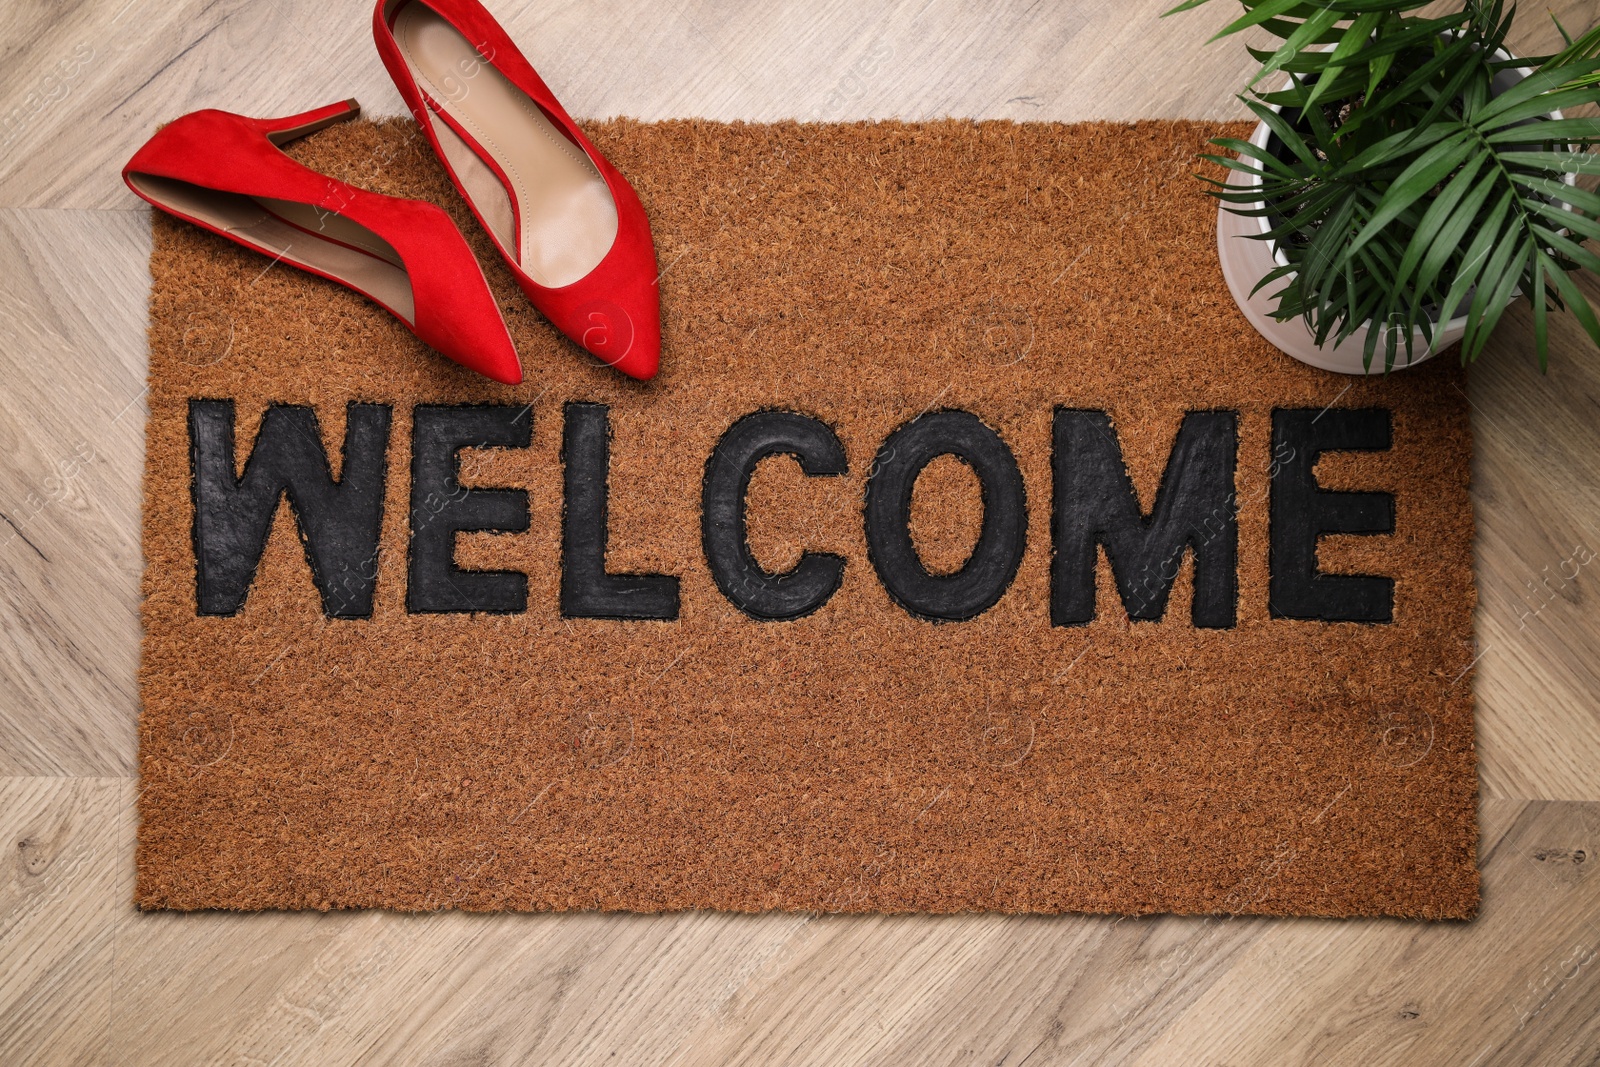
225	172
568	224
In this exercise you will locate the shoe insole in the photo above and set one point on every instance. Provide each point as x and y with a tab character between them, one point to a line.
568	220
298	233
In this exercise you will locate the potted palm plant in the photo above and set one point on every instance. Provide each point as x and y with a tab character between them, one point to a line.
1407	182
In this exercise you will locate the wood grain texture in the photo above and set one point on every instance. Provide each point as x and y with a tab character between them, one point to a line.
85	979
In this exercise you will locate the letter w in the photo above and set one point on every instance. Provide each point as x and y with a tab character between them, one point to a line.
338	521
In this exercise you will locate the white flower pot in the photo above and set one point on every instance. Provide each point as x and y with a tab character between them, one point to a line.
1246	259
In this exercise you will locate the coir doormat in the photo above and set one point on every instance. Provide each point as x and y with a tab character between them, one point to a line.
970	552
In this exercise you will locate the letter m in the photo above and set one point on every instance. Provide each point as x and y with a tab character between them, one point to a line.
1094	504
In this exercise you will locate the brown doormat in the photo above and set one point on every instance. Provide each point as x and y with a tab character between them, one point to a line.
1029	610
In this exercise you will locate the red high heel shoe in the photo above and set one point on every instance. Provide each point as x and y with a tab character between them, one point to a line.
225	172
567	223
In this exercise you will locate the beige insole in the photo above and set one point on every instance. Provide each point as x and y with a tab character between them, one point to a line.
569	220
372	265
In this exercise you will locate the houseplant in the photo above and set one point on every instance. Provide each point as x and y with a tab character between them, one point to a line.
1409	181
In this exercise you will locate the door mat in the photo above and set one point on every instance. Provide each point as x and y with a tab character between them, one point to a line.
970	552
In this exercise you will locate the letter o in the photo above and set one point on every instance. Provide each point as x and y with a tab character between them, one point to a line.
983	579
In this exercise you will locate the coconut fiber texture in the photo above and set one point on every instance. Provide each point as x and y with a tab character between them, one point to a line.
935	736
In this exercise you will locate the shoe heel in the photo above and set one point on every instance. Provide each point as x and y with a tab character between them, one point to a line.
281	131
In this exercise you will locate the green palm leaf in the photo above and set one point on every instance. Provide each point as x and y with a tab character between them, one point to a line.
1402	189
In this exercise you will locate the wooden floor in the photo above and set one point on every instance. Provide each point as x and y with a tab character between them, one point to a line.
86	979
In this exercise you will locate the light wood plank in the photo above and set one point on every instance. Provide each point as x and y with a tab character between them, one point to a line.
72	355
66	844
1520	984
85	86
1538	514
